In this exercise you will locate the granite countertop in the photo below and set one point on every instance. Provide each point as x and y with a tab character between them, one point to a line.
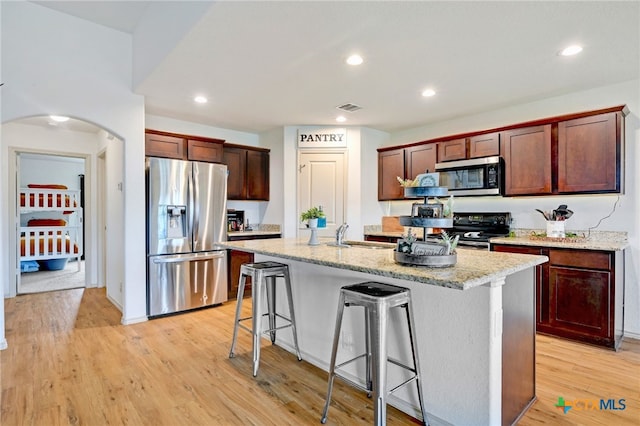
585	240
257	232
473	268
594	240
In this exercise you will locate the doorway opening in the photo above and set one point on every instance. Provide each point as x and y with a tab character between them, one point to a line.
51	201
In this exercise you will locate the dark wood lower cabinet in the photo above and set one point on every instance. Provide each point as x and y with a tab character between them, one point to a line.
236	258
579	293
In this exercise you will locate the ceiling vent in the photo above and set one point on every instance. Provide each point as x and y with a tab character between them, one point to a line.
349	107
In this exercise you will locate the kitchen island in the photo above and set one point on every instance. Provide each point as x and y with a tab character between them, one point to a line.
475	323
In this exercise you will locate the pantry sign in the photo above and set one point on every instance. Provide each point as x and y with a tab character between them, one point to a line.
323	138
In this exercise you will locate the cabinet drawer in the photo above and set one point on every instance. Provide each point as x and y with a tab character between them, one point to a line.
581	259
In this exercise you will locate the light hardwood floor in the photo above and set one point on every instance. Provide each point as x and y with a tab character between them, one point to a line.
69	361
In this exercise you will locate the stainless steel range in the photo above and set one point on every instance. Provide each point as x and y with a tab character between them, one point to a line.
475	229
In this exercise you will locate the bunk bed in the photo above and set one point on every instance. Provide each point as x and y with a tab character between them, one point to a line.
50	231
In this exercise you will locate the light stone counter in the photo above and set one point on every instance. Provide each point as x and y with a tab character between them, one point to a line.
473	268
594	240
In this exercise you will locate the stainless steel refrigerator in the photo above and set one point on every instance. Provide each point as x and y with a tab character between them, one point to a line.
186	219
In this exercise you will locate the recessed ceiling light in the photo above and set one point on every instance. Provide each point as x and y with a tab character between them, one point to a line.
200	99
571	50
355	60
428	93
341	119
59	118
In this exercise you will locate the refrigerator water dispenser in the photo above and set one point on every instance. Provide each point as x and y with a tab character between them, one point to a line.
176	222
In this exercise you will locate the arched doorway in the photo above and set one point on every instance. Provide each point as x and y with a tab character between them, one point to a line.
102	155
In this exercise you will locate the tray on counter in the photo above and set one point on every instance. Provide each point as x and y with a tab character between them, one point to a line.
439	261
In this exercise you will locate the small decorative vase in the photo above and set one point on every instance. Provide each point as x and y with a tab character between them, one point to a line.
313	223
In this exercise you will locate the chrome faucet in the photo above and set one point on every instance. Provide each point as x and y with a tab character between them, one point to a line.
340	234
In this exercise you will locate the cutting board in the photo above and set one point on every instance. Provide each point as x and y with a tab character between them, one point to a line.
391	224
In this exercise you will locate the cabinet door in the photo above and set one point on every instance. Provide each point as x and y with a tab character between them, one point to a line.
210	152
580	301
589	154
581	292
257	175
164	146
236	161
527	157
484	145
390	166
452	150
236	259
420	159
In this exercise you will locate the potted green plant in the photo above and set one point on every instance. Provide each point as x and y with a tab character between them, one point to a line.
311	216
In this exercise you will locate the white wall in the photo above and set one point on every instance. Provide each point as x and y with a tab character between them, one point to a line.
166	124
114	234
589	209
56	63
51	169
274	209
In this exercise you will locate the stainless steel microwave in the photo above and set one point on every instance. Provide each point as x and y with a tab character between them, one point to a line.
477	176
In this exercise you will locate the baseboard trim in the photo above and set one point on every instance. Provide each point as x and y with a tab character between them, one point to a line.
129	321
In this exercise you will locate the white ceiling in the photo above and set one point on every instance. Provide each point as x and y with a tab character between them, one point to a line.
270	64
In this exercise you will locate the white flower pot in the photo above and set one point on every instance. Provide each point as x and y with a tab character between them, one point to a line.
313	223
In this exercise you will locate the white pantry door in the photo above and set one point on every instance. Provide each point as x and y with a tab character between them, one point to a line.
321	182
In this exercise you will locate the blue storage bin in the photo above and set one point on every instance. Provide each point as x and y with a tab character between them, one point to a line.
29	266
54	264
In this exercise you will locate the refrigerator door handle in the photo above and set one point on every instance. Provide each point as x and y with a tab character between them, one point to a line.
195	206
188	258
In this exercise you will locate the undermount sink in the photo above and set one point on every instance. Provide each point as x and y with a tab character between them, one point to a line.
374	245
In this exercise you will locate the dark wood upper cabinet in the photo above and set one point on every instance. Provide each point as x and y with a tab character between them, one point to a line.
390	166
589	154
484	145
455	149
248	172
209	151
257	175
420	159
159	145
182	147
235	159
527	159
577	153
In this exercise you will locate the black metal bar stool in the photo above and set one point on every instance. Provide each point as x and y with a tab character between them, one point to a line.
377	299
263	273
